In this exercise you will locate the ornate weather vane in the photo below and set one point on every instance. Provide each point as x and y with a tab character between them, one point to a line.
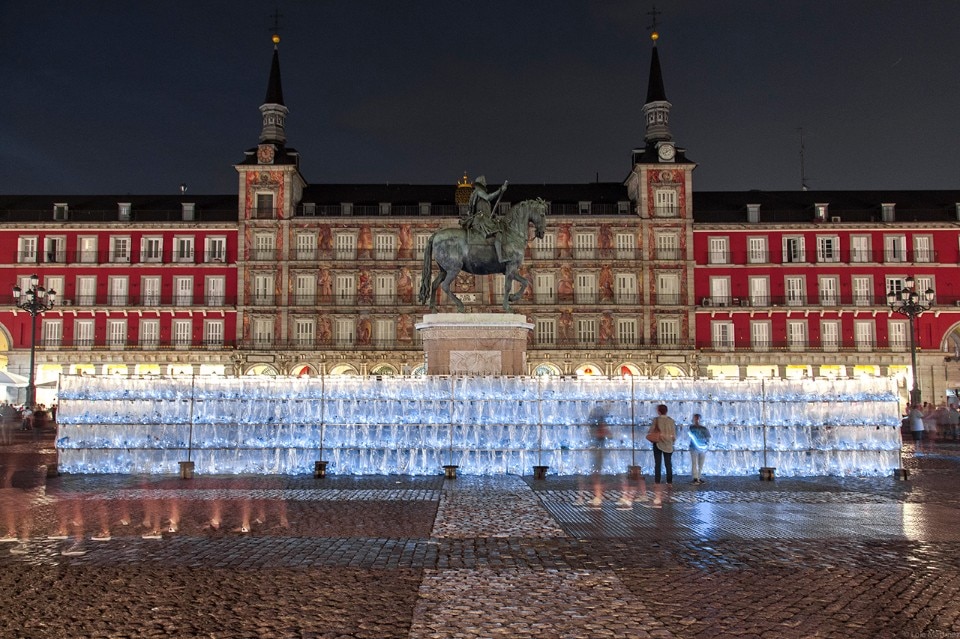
653	13
275	29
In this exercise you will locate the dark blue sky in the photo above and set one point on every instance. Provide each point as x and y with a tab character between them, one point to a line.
137	97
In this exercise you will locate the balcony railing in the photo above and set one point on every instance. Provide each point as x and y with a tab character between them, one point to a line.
122	257
394	344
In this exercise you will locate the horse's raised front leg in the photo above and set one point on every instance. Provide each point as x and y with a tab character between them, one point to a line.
445	285
513	275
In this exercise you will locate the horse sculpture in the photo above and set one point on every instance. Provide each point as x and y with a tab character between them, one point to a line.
466	250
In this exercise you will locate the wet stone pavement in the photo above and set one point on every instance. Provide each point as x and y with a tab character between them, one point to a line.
424	557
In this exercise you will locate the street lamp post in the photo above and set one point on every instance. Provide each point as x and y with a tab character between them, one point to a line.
36	300
911	304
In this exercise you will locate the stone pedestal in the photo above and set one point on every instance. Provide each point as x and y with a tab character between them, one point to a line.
475	343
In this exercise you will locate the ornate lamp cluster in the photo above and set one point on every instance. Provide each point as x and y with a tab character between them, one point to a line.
911	303
36	300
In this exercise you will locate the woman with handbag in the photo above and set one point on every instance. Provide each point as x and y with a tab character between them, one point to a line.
662	433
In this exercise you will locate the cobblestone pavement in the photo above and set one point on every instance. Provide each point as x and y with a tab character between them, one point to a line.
425	557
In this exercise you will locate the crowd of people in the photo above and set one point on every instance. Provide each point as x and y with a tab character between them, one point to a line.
927	423
38	418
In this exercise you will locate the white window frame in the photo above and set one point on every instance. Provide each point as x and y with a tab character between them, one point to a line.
51	333
263	332
794	251
797	335
795	290
181	333
628	332
718	250
116	333
860	249
215	249
585	288
345	245
861	287
894	249
149	333
151	249
761	335
722	335
28	249
586	330
385	288
757	251
264	289
305	246
667	245
626	244
922	248
215	290
898	335
305	289
666	202
830	335
759	290
305	332
384	246
345	288
585	245
720	294
344	331
384	332
118	290
264	247
213	333
668	289
545	287
183	290
828	248
183	249
668	331
865	334
625	288
84	333
828	288
545	331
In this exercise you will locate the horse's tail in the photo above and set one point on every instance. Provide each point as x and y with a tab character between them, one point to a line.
427	264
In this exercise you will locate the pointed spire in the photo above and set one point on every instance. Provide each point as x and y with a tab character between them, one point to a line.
274	88
656	110
655	90
273	110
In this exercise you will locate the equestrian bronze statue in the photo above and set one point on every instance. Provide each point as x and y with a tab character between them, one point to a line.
497	247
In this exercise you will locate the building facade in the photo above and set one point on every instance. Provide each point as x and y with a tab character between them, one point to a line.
645	277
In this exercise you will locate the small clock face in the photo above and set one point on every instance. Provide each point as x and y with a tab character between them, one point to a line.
666	151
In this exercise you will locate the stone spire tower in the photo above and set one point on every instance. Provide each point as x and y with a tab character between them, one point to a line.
656	110
273	110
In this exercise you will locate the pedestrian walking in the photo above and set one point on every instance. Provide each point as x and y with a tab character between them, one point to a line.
699	441
662	433
599	432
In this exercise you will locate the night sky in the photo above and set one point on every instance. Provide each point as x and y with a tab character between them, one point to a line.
116	97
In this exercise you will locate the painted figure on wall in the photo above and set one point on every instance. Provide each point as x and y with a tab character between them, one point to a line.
606	283
365	288
606	328
325	286
563	240
566	327
365	242
363	331
405	286
405	328
565	285
323	329
406	241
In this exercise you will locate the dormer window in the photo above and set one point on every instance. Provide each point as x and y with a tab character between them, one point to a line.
60	211
187	211
888	212
821	212
123	211
384	208
753	213
584	208
623	207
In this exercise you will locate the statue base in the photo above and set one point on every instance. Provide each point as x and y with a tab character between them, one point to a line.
475	343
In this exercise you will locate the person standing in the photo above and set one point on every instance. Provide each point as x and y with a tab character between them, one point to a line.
663	446
699	441
916	427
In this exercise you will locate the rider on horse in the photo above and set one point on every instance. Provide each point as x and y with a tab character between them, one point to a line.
483	216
